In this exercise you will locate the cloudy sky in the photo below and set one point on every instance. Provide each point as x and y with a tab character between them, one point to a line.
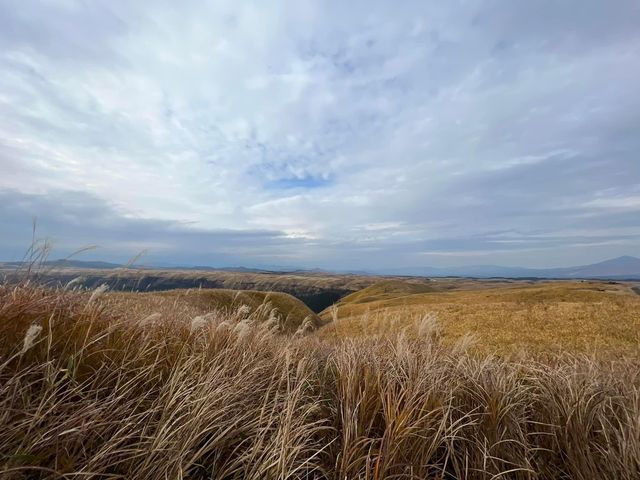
327	134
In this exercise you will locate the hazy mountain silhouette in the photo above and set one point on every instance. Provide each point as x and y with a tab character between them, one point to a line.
621	267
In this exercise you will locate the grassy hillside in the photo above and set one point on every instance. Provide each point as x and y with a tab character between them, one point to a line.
578	316
390	289
290	312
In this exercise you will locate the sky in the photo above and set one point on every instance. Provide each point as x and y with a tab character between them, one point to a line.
342	135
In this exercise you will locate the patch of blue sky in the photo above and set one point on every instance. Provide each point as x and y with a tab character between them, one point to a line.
305	183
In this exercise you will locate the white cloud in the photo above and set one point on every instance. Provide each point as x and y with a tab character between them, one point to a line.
343	123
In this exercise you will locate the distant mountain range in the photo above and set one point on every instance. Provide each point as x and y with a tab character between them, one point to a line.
625	267
616	268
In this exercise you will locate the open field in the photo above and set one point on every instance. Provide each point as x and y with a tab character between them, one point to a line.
221	384
589	317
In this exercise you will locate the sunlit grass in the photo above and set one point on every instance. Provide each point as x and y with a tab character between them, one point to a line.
587	317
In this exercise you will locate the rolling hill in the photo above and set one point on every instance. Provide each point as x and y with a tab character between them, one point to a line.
584	316
193	302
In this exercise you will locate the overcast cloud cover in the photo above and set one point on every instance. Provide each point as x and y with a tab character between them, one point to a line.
322	134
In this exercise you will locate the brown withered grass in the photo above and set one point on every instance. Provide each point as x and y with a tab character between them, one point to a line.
85	392
188	303
582	317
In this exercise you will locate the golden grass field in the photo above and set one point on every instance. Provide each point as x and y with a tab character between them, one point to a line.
398	381
589	317
500	317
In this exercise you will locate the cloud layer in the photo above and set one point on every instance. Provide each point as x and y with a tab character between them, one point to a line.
332	134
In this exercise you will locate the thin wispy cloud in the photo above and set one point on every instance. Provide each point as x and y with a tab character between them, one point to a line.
332	134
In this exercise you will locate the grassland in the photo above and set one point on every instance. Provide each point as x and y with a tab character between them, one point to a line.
587	317
216	384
